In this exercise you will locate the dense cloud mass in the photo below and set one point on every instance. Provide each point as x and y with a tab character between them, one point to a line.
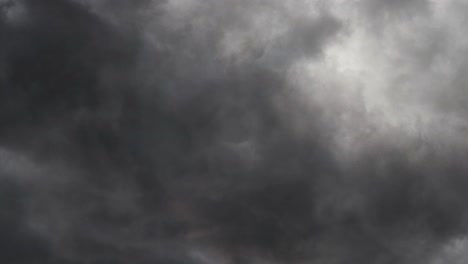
233	131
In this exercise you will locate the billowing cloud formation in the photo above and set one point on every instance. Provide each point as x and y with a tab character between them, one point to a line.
184	131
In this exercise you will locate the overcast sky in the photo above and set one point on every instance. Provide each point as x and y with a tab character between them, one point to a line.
233	131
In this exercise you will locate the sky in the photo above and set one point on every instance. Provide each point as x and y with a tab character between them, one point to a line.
233	131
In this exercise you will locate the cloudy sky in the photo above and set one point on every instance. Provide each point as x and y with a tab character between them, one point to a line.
233	131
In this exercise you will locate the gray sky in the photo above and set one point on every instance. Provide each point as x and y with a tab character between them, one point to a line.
233	131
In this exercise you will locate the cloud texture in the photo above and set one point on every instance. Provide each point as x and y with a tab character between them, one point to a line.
233	131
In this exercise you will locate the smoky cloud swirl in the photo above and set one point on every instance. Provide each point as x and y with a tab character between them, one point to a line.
233	131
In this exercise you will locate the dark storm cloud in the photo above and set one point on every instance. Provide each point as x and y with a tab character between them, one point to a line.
175	132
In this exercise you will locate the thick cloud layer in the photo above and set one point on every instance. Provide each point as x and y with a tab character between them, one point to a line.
184	131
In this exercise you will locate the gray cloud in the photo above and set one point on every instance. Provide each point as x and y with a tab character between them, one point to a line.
185	131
